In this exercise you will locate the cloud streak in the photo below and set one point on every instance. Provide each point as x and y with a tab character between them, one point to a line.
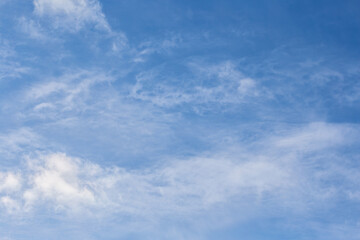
176	123
208	84
277	175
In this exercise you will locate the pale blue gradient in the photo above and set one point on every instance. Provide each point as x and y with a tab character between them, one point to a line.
202	119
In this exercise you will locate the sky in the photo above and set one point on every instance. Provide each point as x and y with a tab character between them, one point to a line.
164	119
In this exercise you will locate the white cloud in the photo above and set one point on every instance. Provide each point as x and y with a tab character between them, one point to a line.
9	182
119	42
73	103
182	187
72	15
259	177
9	68
56	179
5	49
17	141
160	46
43	90
246	85
10	186
221	84
32	29
11	205
317	135
67	92
249	180
43	106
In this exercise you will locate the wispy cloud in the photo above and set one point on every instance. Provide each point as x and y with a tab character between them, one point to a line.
33	29
9	66
10	182
276	174
156	46
178	120
72	15
67	92
16	142
208	84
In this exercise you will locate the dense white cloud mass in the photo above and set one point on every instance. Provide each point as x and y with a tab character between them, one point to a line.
56	180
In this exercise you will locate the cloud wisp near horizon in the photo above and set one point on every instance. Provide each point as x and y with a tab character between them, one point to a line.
179	120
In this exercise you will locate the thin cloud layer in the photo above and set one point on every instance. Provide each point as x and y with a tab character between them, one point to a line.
187	120
68	184
214	84
72	15
276	173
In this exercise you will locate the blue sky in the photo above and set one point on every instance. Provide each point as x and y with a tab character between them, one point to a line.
179	119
